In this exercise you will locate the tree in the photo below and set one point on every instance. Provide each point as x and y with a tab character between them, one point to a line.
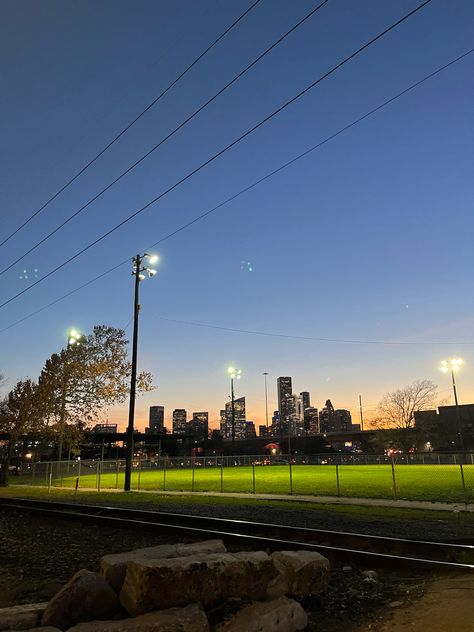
83	379
397	409
20	412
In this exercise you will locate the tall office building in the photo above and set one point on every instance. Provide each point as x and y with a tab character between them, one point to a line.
223	424
239	418
284	394
200	423
157	419
179	421
311	421
305	397
331	420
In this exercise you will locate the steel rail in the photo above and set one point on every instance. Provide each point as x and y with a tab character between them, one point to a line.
363	549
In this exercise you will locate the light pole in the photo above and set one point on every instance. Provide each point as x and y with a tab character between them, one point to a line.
73	339
266	399
234	374
453	365
139	272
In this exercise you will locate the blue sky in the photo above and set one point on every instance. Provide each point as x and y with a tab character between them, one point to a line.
369	237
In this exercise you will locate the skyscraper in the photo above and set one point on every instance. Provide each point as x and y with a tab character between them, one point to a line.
284	389
305	398
200	423
311	421
157	419
179	421
239	418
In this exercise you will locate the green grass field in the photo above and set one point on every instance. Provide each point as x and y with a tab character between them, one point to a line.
413	482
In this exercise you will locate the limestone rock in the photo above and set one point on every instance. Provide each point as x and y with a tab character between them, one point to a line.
113	567
86	597
189	619
277	615
307	572
168	583
21	617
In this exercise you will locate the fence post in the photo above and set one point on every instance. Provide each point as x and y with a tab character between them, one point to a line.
253	476
98	476
164	475
222	478
50	480
77	485
337	480
117	474
47	472
291	478
394	482
33	472
454	457
79	473
192	484
139	471
466	499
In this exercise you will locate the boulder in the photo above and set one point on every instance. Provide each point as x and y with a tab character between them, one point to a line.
113	567
21	617
276	615
307	572
167	583
189	619
85	597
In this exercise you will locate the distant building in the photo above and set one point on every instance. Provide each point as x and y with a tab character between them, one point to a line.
285	398
311	421
442	426
239	418
223	424
331	420
249	430
179	421
305	399
263	431
199	425
157	419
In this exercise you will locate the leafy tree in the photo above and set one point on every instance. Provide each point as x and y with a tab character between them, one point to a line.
397	409
20	412
80	381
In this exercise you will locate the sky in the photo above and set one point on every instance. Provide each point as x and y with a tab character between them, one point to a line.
368	238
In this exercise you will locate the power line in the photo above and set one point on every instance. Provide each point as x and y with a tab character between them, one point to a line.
310	338
163	140
216	155
246	189
127	127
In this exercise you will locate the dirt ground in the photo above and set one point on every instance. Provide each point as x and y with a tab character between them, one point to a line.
447	605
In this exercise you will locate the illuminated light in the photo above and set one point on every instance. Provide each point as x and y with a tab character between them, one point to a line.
73	333
454	364
151	273
29	455
142	277
230	369
153	258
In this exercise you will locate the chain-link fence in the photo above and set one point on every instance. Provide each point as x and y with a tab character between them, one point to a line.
430	477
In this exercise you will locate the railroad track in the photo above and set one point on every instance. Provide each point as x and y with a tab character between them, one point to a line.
365	550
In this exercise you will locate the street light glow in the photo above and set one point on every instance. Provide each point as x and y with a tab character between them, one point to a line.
234	373
153	258
454	364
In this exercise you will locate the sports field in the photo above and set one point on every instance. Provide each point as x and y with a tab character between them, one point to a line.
412	482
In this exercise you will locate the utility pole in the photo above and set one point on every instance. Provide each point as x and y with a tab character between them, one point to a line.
73	338
266	400
361	415
131	411
233	411
138	270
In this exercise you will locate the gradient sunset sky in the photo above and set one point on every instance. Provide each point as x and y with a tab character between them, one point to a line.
369	238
